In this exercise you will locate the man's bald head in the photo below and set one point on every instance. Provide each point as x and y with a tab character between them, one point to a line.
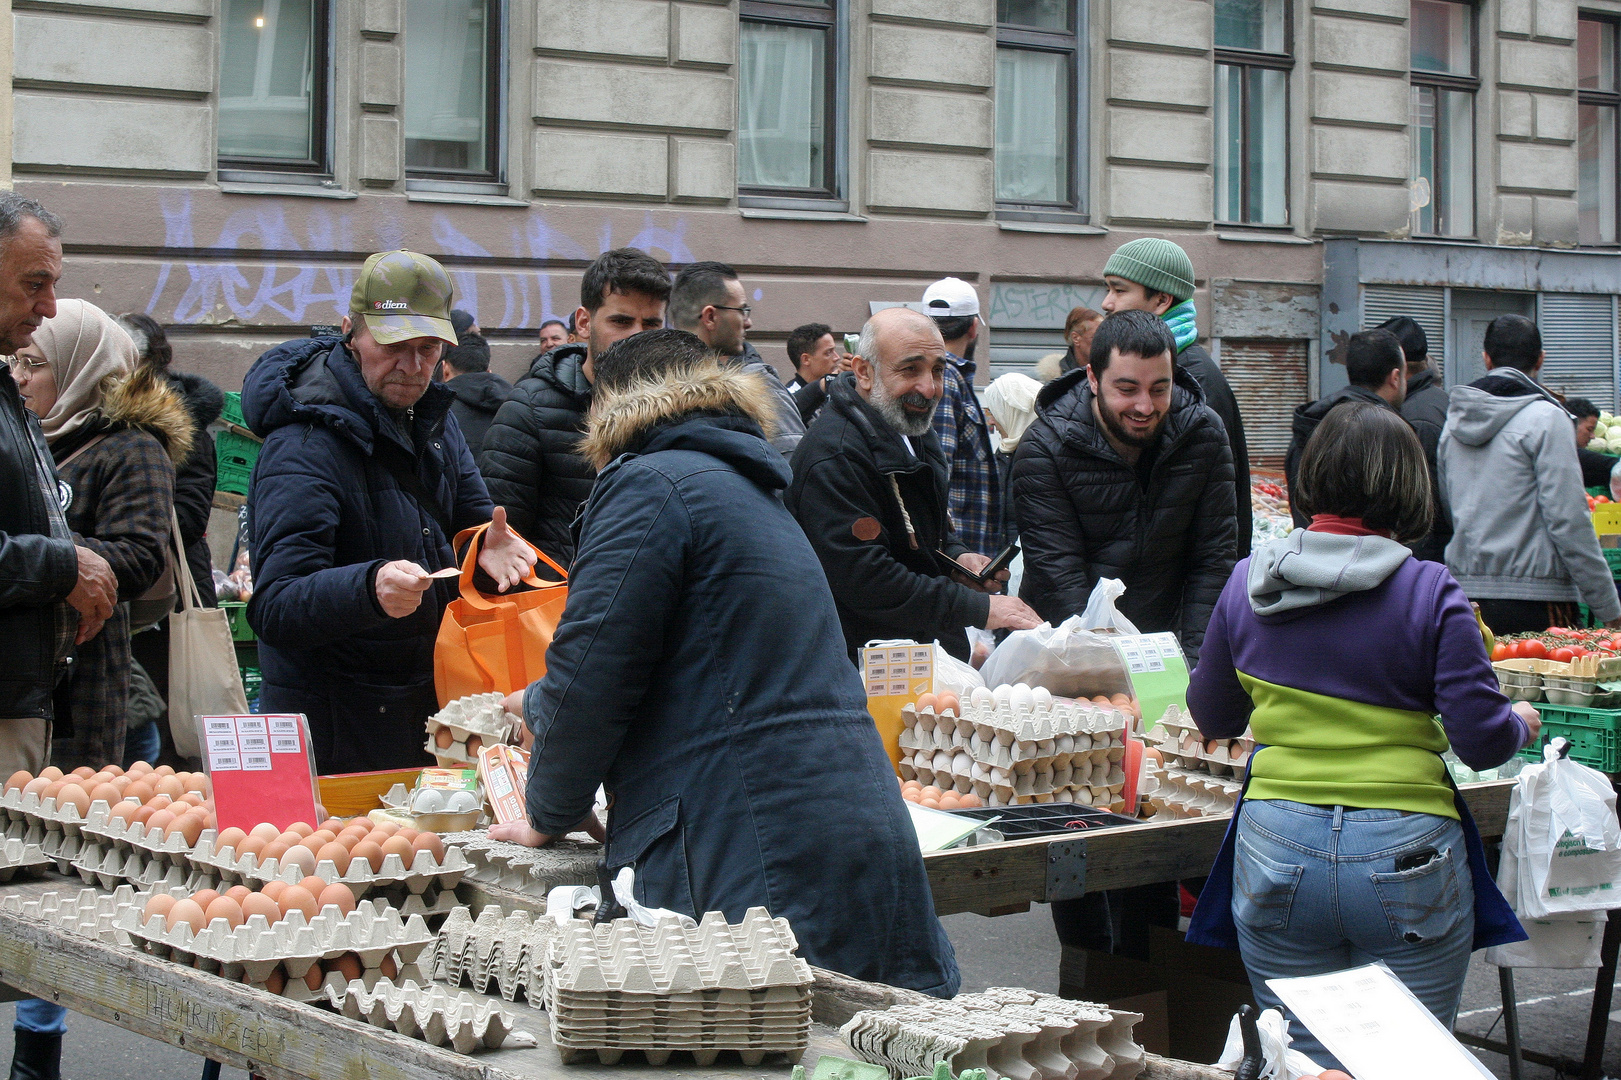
895	328
900	368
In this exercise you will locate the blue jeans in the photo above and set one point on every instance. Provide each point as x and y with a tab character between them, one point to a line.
45	1017
1322	888
142	743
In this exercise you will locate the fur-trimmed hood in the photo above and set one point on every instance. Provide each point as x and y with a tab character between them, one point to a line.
624	422
145	400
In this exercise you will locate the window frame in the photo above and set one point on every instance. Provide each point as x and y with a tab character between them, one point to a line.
314	169
492	179
1074	208
1610	99
1469	84
1245	59
831	17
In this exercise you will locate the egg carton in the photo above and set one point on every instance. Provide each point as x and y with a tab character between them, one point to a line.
440	1018
1007	1032
483	715
509	951
425	871
102	830
64	817
525	869
87	912
398	799
1175	794
17	856
254	951
107	866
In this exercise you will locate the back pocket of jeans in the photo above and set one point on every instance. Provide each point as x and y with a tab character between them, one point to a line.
1424	904
1263	888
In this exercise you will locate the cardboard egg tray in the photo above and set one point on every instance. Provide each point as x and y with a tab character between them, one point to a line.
18	856
107	866
101	833
434	1015
484	715
398	799
510	951
1007	1032
1176	793
1179	739
416	879
523	869
86	912
253	951
1011	755
40	821
700	988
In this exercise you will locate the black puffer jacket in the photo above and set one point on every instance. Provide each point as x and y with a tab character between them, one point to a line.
1306	419
531	459
1426	410
1083	514
479	396
1218	394
195	477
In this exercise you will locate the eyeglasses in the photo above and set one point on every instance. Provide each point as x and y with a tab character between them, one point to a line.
17	362
745	309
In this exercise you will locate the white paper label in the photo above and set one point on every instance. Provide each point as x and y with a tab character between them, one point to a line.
285	744
256	762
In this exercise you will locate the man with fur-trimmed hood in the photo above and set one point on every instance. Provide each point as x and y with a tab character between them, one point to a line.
699	674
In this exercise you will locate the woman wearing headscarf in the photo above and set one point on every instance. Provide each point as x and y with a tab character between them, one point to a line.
115	432
1011	401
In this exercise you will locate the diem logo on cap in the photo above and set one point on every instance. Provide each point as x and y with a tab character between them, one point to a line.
390	305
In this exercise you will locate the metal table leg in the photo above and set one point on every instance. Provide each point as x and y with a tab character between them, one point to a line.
1598	1023
1511	1020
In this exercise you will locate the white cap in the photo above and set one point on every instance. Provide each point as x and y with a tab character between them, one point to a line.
950	297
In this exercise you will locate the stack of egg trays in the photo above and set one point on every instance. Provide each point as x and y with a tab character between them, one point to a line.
484	715
18	856
112	851
427	886
703	988
41	821
1006	1031
88	912
252	952
438	1017
510	951
1186	793
526	869
1055	751
1184	747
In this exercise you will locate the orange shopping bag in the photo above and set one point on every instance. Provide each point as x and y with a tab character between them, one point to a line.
496	643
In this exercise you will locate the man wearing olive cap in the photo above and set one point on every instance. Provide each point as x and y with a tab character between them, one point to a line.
363	480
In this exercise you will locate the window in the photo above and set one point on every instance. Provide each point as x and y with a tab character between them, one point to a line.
1037	102
272	98
452	89
1443	118
787	68
1597	104
1252	111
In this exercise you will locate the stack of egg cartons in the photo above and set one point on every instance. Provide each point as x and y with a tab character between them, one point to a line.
457	732
1016	745
1196	777
675	986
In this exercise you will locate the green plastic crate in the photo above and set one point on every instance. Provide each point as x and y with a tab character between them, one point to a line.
235	456
232	413
1594	734
238	613
1613	557
251	681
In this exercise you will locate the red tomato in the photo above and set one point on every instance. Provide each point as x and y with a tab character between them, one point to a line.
1533	650
1564	656
1579	651
1500	651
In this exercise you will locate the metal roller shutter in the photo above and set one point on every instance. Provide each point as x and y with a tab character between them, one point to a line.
1425	306
1578	334
1268	379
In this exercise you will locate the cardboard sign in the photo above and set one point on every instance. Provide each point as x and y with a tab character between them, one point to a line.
895	675
261	767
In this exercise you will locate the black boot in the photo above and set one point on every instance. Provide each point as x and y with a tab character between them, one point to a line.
36	1056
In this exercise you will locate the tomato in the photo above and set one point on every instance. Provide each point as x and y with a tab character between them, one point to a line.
1579	651
1500	651
1564	656
1533	650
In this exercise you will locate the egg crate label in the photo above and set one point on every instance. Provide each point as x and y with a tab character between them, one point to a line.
424	872
433	1015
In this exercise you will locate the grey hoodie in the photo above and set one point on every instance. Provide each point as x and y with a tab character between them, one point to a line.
1309	569
1508	472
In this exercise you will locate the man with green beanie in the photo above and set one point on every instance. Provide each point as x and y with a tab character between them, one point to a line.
1154	275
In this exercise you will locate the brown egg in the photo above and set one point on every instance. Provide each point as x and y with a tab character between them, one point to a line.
333	825
336	894
399	845
159	904
336	854
273	850
191	798
116	770
196	782
160	802
301	857
357	831
123	811
143	816
186	911
230	838
140	768
388	969
290	838
348	965
204	897
239	893
318	839
409	833
313	884
296	898
303	829
84	772
77	796
443	738
139	790
96	780
274	889
276	981
19	779
189	826
251	846
372	853
376	836
347	841
160	821
474	745
122	783
53	788
51	772
163	770
260	904
105	793
223	907
314	976
389	827
265	831
430	842
36	786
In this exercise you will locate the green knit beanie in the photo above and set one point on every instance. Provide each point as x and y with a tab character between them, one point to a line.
1154	263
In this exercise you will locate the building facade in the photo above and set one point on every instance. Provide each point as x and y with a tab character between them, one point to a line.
225	165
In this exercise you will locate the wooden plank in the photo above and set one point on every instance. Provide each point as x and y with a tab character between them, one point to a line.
349	795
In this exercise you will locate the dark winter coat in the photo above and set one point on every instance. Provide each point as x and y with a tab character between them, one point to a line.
1425	408
327	510
1219	396
1084	515
850	472
195	477
698	674
531	458
1306	419
479	395
122	494
38	564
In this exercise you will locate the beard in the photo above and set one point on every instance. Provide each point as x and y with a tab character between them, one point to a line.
1111	421
913	425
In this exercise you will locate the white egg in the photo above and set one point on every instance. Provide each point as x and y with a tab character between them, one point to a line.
981	697
428	801
460	802
1004	694
1021	696
1041	698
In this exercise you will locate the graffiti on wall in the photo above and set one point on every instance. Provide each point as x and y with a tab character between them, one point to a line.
275	285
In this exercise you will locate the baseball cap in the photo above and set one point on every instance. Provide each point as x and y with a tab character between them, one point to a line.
403	295
950	297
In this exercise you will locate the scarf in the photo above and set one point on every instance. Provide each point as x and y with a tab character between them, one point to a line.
1011	401
1335	525
1183	321
83	346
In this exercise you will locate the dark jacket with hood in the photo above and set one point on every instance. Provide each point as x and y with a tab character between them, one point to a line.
479	395
327	509
195	477
1218	394
1085	514
531	459
875	513
38	564
1307	417
1425	408
698	674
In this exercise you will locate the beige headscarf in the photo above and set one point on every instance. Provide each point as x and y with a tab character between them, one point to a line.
1011	399
84	346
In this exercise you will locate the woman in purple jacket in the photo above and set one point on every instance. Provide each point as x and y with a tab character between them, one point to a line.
1339	649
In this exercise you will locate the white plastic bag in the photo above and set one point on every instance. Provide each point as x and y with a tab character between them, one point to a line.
1571	940
1069	659
954	675
1100	613
1282	1063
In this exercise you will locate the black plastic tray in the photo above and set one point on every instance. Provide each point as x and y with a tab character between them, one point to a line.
1046	819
